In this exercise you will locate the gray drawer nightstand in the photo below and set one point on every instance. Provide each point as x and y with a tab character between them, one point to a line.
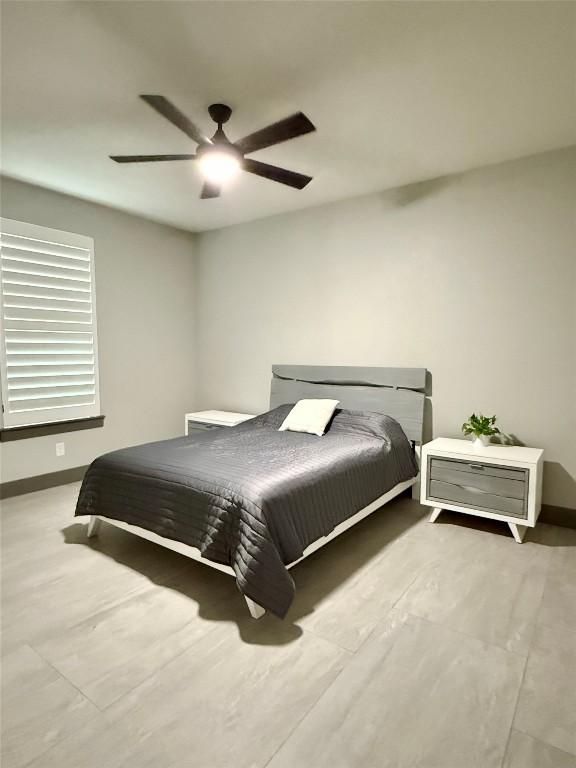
202	421
499	481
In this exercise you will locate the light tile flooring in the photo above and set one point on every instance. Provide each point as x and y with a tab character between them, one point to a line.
409	645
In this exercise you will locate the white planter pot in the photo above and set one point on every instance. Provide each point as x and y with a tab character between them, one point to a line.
481	441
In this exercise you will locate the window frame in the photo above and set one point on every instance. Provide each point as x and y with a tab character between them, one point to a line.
46	416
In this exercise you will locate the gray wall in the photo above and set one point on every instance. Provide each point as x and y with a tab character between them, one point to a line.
471	276
144	295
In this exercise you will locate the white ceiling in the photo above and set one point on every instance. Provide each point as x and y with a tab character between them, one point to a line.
399	92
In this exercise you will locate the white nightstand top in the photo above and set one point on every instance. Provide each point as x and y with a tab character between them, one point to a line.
493	452
225	418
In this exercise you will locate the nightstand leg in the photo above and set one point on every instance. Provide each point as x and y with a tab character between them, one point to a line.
518	531
434	516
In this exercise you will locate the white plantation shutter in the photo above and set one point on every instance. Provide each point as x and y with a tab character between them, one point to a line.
48	333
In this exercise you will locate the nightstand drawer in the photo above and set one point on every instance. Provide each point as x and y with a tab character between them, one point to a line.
477	467
201	426
476	498
500	481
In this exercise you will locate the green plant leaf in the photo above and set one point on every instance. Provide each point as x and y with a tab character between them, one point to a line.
480	425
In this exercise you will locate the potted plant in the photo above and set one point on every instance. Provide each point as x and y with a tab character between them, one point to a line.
482	427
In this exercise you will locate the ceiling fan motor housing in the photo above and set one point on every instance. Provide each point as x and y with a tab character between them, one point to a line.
220	113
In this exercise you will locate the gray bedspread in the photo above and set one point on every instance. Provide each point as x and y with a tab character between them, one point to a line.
250	496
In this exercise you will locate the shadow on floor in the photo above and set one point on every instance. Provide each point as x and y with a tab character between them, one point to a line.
327	569
315	578
542	533
497	527
216	594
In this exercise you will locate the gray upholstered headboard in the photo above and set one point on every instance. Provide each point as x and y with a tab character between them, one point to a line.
398	392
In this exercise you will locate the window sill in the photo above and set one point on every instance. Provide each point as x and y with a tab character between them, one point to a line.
53	428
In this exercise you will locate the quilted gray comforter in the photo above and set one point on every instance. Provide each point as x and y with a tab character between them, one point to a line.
250	496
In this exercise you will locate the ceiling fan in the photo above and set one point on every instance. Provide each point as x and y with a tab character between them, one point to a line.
219	158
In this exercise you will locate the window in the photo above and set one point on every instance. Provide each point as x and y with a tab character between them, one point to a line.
49	356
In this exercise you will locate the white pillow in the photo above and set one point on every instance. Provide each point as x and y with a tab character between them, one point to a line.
310	416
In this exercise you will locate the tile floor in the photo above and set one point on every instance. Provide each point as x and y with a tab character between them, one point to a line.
409	645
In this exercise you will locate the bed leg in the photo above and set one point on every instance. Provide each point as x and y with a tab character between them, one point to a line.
256	611
93	526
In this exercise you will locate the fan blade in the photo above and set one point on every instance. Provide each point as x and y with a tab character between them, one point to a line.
289	128
274	173
209	190
171	113
148	158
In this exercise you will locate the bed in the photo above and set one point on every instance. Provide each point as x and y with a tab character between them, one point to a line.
252	501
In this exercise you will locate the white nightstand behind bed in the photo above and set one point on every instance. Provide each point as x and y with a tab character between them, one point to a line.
499	482
204	420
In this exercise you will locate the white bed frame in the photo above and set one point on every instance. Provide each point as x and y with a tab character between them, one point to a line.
396	391
256	611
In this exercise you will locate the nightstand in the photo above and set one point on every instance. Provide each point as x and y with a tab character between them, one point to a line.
202	421
500	482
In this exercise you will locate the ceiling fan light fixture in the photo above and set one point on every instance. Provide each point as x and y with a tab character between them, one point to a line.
219	166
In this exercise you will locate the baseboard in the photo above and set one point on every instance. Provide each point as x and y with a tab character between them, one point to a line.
553	515
563	516
40	482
